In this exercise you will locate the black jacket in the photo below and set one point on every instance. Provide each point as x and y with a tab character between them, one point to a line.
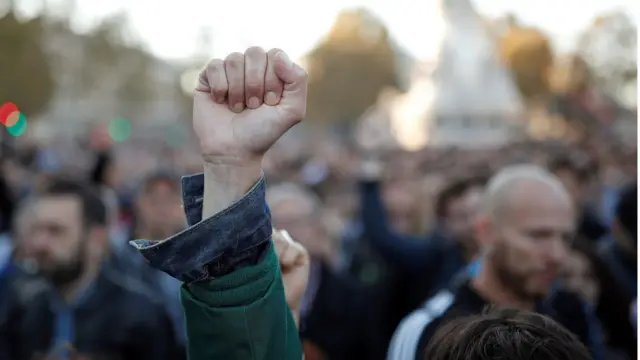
117	321
412	336
341	322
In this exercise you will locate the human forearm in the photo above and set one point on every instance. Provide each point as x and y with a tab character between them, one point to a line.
224	185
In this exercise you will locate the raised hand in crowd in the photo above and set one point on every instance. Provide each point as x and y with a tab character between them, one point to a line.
242	106
234	293
294	264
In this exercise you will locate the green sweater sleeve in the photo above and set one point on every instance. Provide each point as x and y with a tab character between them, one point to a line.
243	315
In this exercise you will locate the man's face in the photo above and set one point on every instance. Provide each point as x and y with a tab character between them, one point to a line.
461	213
532	239
55	238
399	200
297	217
159	208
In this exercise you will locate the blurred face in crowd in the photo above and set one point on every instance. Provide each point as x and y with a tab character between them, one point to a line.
57	238
577	276
399	199
461	213
529	235
159	210
297	215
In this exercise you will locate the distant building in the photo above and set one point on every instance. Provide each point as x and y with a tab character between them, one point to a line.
475	101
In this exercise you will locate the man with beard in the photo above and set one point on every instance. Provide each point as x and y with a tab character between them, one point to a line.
158	215
525	230
89	311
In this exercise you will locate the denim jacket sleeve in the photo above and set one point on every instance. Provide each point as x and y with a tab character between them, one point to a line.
233	297
237	237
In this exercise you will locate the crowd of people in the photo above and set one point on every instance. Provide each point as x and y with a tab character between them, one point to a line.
402	246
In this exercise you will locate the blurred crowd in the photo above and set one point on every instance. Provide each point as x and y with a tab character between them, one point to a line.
386	230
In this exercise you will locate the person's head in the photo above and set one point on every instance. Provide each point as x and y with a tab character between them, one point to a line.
573	176
588	275
505	334
458	204
299	211
625	224
525	229
159	206
67	234
579	276
399	196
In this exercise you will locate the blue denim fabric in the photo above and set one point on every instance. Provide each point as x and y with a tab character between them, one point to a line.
234	238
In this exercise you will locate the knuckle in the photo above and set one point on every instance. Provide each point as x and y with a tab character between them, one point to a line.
214	65
254	51
274	51
235	59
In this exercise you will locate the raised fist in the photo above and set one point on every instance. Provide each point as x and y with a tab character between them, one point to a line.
245	103
294	264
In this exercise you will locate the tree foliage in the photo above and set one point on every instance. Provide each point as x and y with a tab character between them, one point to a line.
348	69
609	46
110	63
25	73
528	54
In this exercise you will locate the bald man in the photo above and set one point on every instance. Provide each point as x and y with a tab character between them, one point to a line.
525	229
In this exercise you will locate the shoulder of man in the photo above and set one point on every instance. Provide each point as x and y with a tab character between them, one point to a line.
578	317
137	298
416	329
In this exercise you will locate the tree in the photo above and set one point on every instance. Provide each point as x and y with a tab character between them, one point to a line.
112	64
26	78
349	68
609	46
527	53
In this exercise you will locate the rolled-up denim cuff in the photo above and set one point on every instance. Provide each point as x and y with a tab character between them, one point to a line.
236	237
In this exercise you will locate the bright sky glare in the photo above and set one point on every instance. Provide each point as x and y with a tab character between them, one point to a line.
171	29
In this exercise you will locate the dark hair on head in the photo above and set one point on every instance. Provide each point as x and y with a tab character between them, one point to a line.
454	190
505	334
94	211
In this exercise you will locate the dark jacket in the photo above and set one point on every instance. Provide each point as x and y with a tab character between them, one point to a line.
114	321
623	267
343	321
413	335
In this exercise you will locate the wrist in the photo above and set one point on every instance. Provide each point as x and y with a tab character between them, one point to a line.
226	184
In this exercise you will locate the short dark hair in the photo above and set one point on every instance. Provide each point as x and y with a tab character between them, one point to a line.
94	211
456	188
159	176
505	334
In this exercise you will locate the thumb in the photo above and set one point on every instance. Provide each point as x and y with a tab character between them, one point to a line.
294	96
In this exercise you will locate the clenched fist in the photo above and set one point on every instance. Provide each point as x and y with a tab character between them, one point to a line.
294	264
245	103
